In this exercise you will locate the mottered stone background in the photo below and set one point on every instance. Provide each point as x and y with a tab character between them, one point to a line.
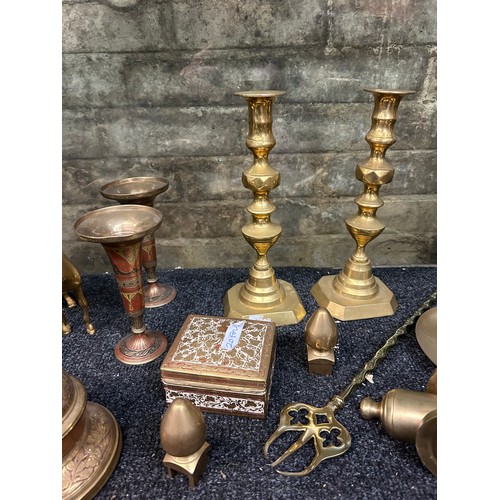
148	90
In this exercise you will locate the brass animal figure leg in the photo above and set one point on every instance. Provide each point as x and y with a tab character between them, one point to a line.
82	301
69	300
66	327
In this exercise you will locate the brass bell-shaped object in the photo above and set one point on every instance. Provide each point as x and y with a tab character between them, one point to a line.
321	336
91	442
183	438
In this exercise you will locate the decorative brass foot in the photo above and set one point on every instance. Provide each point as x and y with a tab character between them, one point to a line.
262	295
355	293
91	442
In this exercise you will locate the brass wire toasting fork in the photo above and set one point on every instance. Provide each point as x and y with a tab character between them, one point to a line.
319	423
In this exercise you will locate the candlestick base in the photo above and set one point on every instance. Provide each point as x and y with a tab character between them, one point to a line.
141	348
382	304
289	312
157	294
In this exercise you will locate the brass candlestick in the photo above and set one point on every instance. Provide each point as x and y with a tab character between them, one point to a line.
262	294
143	191
355	293
120	230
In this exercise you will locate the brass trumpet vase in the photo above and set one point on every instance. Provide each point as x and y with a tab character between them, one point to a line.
121	230
355	293
91	442
262	295
143	191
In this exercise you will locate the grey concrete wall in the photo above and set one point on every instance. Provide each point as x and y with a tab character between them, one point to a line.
148	90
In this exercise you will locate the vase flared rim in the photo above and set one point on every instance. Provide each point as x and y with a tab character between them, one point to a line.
118	224
134	187
260	93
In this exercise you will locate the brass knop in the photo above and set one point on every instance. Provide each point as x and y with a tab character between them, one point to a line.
183	438
321	335
408	416
400	411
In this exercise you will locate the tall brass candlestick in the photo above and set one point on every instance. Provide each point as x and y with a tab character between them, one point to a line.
355	293
262	294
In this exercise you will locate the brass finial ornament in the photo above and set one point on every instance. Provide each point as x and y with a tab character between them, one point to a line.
355	293
120	230
91	442
183	438
321	335
262	294
143	191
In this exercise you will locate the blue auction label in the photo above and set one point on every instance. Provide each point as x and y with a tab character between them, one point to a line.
232	336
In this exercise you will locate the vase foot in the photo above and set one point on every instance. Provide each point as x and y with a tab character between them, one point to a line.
289	312
141	348
345	308
156	294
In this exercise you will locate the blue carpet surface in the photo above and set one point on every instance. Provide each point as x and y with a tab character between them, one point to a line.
375	467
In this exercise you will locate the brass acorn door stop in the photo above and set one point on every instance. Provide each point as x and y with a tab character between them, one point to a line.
320	423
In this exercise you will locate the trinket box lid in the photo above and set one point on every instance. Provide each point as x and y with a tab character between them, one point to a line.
211	352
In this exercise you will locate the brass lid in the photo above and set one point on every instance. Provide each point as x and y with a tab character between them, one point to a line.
197	357
74	400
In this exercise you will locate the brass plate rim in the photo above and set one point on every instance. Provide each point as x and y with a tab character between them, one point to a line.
426	333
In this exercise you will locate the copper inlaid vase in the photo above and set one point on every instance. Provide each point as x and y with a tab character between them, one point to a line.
91	442
121	230
262	295
355	293
143	191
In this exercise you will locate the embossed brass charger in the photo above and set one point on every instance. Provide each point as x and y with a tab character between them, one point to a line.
120	230
355	293
262	294
143	191
222	365
91	442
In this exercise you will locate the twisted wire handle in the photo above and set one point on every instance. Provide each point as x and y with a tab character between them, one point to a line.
338	401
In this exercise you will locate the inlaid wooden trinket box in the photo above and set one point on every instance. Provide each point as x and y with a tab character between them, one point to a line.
222	365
